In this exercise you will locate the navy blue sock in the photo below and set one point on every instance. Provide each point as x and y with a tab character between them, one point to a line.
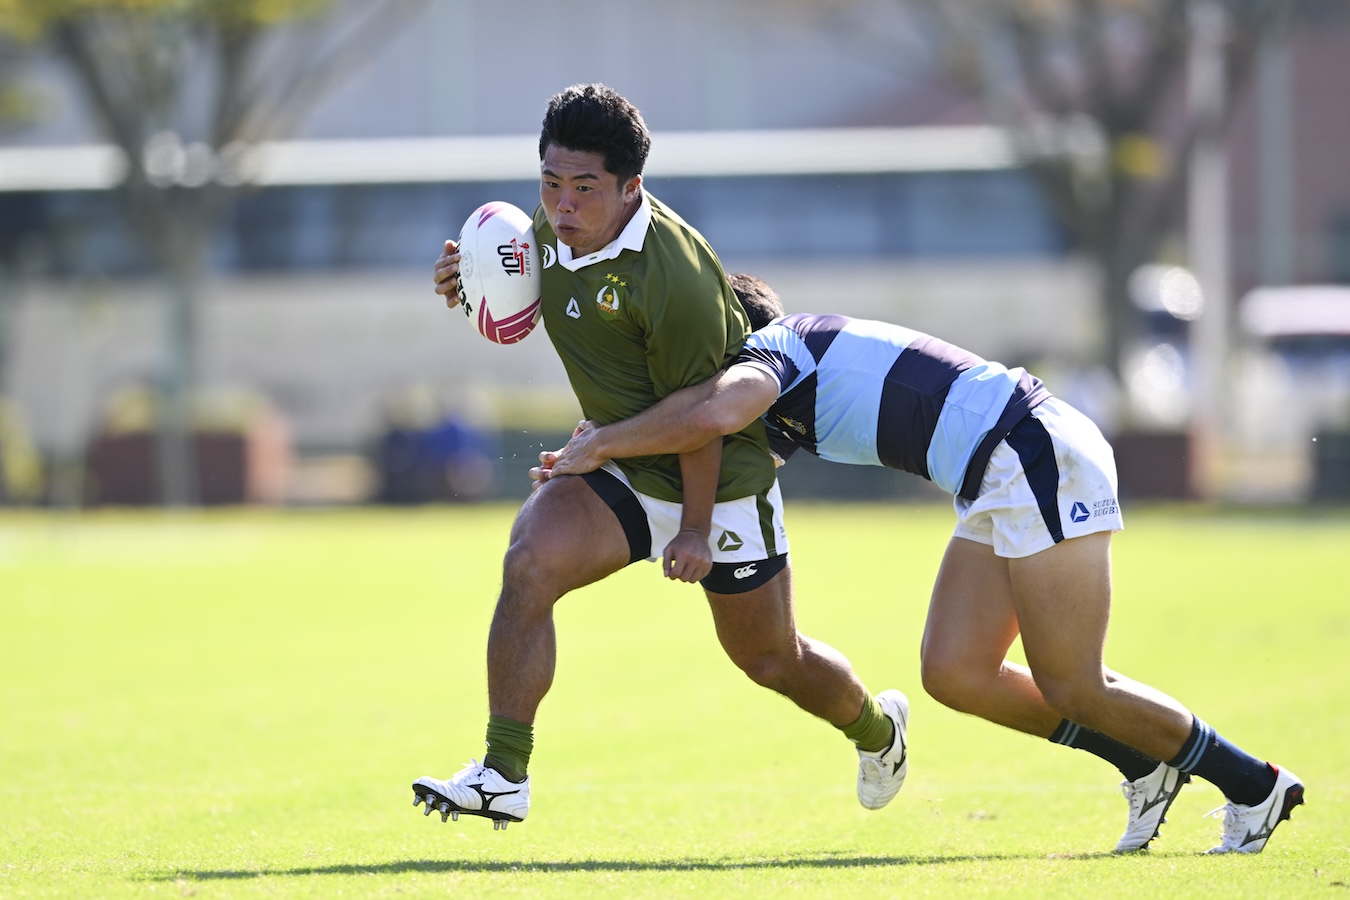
1131	763
1242	777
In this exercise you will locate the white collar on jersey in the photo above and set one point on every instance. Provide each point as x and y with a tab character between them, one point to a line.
631	238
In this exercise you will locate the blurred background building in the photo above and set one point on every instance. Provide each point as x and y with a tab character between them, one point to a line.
861	155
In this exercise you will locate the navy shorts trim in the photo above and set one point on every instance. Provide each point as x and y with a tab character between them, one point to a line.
740	578
1037	452
627	509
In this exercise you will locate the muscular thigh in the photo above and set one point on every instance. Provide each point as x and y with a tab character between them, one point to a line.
971	617
567	536
756	622
1063	598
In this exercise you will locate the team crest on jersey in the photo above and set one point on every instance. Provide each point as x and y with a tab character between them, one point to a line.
610	297
793	424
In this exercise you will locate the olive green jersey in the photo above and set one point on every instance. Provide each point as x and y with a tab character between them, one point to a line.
645	316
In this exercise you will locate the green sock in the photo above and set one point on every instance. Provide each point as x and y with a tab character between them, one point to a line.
872	730
509	746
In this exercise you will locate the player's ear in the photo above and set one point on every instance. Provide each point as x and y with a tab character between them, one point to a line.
631	188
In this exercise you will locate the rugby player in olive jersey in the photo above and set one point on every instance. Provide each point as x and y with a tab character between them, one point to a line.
637	306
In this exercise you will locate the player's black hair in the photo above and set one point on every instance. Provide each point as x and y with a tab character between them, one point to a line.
595	118
760	301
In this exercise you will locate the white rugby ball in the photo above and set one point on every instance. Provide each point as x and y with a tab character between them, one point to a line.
499	272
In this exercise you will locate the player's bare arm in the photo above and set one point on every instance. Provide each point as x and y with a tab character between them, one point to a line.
688	557
681	422
447	274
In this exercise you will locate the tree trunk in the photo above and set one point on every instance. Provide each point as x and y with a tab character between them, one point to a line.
178	384
176	227
6	305
1119	312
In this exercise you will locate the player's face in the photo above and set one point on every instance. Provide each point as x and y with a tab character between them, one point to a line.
586	205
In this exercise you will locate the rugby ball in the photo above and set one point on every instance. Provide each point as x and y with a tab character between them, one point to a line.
499	272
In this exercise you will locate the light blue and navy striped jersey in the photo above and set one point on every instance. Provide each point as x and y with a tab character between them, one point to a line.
870	393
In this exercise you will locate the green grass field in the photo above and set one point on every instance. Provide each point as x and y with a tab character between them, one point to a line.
233	705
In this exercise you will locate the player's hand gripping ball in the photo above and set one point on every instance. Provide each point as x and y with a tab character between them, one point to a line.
499	272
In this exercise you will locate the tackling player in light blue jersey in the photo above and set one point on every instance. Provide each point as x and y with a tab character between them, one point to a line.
1034	485
872	393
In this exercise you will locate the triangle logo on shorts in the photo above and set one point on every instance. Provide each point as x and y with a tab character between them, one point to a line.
730	540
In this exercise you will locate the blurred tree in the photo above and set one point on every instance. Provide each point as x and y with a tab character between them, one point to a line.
17	105
184	88
17	109
1092	94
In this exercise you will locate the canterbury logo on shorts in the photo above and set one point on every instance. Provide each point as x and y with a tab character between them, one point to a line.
737	578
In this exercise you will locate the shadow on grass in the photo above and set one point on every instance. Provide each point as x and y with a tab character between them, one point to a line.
434	866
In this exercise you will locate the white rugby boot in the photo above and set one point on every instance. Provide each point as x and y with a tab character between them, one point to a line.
1247	828
882	772
1149	798
475	790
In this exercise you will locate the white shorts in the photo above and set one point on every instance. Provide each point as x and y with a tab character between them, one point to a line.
1053	477
748	539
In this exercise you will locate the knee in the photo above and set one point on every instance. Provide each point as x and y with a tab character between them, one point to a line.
772	669
950	681
530	571
533	561
1076	699
522	561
